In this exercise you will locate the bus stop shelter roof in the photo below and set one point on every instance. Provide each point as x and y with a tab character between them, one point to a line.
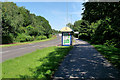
66	29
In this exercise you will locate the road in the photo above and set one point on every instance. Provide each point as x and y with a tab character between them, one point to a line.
16	51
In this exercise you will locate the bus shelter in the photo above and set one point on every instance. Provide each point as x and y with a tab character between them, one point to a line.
66	39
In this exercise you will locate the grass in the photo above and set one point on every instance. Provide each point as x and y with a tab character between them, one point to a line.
0	71
39	64
21	43
112	54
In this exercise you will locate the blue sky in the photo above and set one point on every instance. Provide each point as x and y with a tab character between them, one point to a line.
55	12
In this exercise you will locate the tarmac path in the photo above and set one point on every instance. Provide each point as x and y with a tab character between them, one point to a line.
84	62
19	50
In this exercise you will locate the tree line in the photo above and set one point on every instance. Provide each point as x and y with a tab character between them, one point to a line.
19	25
100	23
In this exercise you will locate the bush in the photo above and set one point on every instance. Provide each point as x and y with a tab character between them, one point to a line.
84	36
7	39
110	43
23	37
50	35
41	37
113	42
29	38
102	31
44	37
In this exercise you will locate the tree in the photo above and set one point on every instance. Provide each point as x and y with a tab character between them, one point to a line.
18	23
104	22
82	27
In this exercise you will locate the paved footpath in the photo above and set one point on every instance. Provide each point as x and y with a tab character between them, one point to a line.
85	62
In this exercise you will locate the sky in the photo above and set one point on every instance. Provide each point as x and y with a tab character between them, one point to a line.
57	13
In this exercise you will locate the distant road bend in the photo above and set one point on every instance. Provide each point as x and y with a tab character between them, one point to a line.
15	51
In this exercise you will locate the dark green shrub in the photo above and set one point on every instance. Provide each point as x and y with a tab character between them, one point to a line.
23	37
110	42
102	32
50	35
38	38
113	42
41	37
29	38
83	36
44	37
7	39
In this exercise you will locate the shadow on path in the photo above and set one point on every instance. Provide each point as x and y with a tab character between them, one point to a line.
85	62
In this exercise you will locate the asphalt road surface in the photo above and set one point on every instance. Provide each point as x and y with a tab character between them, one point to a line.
15	51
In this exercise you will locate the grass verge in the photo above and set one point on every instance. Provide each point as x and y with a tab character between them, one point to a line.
21	43
112	54
39	64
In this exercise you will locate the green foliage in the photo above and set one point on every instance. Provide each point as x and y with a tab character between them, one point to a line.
101	32
104	33
29	42
110	43
111	53
50	35
100	23
7	39
18	20
82	27
70	25
41	37
23	38
54	31
95	11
